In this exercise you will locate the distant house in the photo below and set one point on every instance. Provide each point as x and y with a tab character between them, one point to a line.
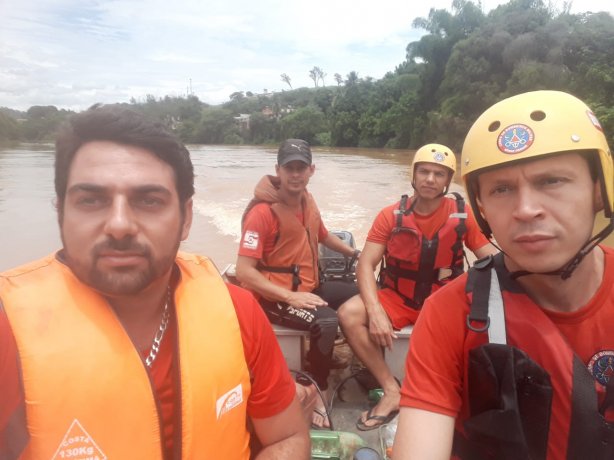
243	121
268	112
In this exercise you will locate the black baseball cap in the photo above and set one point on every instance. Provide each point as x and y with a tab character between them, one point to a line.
293	149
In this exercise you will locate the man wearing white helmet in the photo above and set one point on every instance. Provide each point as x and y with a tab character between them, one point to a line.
516	359
421	240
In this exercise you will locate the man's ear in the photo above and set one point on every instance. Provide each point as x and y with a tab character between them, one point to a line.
598	197
312	169
277	170
187	219
480	207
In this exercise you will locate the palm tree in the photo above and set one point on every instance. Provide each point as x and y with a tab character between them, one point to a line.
286	79
313	74
320	73
352	78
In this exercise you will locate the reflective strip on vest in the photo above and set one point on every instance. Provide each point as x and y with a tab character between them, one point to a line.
496	311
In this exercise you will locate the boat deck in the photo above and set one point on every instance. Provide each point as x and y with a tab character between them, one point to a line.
350	401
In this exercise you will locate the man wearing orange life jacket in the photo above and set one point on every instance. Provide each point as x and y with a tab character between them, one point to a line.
516	360
118	346
421	239
278	259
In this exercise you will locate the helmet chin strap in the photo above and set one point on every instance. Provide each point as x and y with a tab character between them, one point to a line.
566	270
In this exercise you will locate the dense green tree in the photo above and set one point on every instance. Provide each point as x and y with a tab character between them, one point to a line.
214	126
263	129
432	52
352	78
9	129
304	123
379	124
348	107
589	56
42	122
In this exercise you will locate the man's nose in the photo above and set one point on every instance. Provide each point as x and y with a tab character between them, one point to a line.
527	205
121	221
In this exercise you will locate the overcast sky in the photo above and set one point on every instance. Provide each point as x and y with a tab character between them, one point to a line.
74	53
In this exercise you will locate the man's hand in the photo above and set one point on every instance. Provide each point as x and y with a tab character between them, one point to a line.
380	327
305	300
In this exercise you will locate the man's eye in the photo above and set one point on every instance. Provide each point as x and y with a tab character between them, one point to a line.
500	189
149	202
552	180
90	201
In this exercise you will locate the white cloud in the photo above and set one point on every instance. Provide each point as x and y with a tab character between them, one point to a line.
73	53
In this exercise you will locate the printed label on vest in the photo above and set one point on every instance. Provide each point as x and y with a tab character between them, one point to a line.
250	240
78	445
229	400
601	366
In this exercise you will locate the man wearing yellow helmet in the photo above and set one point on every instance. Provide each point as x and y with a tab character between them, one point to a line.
516	359
421	240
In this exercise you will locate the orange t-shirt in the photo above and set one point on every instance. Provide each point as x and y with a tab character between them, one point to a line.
436	362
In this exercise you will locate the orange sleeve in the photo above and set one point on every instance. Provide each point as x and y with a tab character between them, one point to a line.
322	231
474	238
273	388
258	232
382	226
434	367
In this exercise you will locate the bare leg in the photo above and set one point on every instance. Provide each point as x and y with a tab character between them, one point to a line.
354	322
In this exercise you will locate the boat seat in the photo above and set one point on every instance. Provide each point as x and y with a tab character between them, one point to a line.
292	344
395	359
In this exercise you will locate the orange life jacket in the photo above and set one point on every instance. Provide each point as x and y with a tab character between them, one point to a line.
528	394
293	263
416	266
87	390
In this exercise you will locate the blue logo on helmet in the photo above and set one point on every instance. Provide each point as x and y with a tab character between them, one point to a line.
515	139
438	157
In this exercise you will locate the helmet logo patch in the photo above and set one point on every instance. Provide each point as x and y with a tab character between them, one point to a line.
601	366
515	139
594	120
438	157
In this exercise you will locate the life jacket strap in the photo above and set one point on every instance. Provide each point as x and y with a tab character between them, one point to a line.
487	302
293	269
458	251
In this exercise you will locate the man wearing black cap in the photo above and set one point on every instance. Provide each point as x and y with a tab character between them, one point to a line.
278	258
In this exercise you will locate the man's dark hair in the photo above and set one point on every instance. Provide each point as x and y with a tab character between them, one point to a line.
123	126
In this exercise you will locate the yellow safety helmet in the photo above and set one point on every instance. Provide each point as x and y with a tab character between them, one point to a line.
531	125
437	154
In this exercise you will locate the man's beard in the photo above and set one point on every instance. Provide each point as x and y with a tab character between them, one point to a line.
121	280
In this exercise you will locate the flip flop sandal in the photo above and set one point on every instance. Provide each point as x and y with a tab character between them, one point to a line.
380	419
325	416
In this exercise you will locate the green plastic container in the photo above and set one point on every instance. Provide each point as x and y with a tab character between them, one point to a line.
375	395
334	445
